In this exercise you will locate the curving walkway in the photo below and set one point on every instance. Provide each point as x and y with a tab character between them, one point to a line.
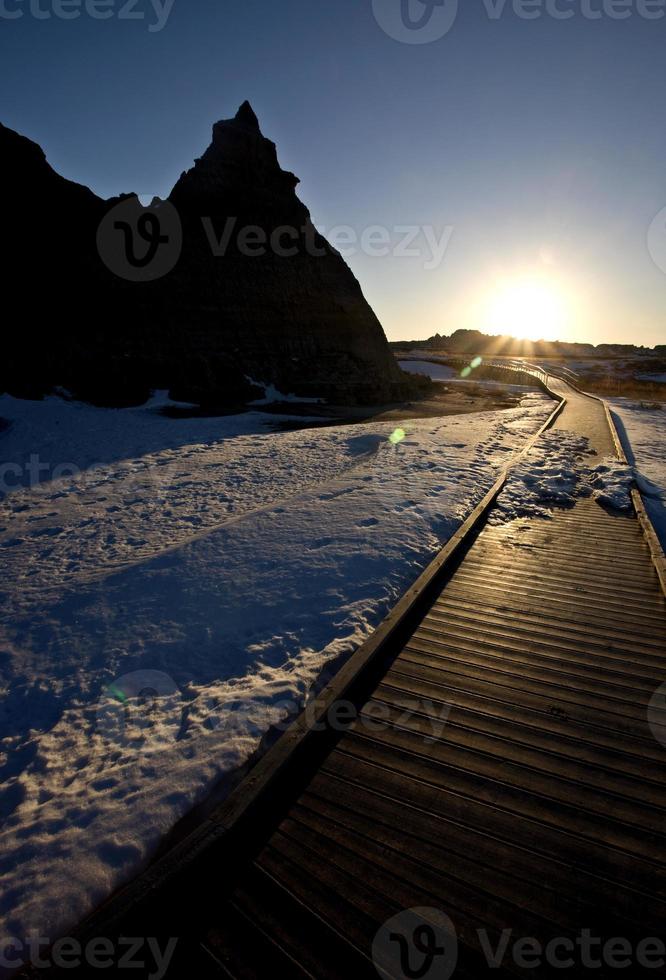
585	416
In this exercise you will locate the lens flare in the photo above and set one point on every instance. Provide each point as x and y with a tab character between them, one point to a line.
117	693
472	366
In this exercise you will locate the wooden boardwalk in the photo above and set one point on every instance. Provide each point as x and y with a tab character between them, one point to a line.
502	769
540	807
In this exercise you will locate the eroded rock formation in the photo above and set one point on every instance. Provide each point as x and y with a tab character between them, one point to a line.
256	293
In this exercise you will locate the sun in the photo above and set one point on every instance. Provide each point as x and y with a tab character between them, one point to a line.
529	309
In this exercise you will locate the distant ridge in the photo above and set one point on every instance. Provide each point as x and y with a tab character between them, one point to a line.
476	342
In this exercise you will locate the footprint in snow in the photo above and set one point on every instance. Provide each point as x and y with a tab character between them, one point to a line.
320	543
47	532
101	784
334	494
405	505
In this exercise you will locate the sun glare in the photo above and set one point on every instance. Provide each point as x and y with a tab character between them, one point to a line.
529	309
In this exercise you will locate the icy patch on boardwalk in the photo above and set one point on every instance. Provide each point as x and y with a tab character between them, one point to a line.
153	629
550	476
611	483
555	474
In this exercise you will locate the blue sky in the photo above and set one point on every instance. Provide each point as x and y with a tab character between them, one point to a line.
537	148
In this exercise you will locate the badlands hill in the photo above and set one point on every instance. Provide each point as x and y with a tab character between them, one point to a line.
224	288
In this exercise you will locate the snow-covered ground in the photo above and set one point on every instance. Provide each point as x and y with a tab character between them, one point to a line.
441	372
581	366
618	368
643	431
177	590
438	372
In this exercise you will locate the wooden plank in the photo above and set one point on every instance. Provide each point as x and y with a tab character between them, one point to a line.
453	851
629	701
562	701
537	623
509	787
611	748
470	761
568	583
576	605
359	810
544	752
636	737
636	671
514	817
503	598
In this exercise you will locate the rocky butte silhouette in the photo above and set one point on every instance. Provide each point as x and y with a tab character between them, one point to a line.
280	306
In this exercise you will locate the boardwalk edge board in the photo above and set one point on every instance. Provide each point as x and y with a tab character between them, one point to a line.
644	519
648	528
219	823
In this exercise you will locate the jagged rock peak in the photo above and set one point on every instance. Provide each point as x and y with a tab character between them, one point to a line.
240	170
241	130
246	116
